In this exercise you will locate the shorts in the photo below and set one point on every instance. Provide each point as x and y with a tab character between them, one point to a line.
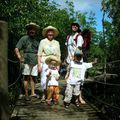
30	70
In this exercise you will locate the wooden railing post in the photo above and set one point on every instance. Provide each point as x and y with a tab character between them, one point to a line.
4	109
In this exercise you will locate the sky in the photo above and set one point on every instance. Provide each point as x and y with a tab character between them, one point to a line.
86	6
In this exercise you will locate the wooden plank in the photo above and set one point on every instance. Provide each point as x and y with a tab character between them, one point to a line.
3	71
36	110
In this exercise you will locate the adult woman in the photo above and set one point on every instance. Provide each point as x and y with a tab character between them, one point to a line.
47	47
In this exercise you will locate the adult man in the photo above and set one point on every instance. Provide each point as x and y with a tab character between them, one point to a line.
74	41
29	45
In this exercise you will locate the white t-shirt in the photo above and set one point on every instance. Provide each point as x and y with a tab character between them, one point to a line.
77	72
72	46
52	79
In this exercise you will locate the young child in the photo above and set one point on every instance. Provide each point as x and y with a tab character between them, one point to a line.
75	78
52	80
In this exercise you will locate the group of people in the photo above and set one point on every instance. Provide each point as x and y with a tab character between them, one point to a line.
45	58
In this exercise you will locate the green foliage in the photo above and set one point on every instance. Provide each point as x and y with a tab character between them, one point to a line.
81	19
20	12
112	36
112	28
96	51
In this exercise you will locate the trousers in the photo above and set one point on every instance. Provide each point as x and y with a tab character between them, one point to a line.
53	92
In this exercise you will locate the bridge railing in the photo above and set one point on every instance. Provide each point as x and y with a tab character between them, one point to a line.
105	94
14	86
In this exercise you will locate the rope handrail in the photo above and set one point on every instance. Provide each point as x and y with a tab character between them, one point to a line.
113	62
13	61
17	78
104	83
101	101
108	63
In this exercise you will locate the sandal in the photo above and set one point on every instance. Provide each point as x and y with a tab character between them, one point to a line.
27	98
48	102
77	104
43	98
66	104
56	103
35	96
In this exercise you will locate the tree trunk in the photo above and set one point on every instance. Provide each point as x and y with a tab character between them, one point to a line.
4	111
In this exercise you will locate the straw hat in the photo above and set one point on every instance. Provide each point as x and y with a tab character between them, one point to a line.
52	59
45	30
32	25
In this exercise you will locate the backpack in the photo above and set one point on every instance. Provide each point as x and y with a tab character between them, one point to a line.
86	34
68	36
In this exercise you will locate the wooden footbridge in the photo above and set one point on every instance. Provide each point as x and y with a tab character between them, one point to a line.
35	109
101	96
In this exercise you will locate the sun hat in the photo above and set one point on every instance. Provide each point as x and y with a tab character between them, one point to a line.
45	30
32	25
52	58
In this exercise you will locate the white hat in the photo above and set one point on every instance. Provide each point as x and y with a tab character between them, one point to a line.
32	25
45	30
52	58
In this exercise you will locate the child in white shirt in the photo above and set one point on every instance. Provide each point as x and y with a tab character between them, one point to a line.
75	78
52	80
